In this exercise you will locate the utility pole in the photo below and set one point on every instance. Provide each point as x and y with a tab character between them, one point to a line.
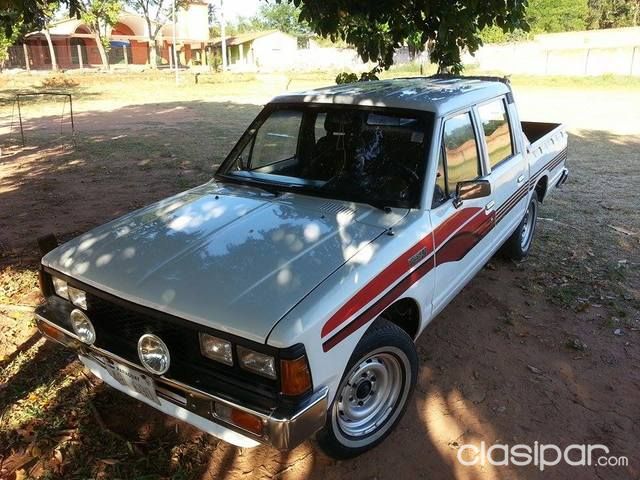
175	53
224	38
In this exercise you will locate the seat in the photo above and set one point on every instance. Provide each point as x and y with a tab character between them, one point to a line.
330	152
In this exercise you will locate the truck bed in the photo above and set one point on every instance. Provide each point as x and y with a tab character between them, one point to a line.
547	154
536	131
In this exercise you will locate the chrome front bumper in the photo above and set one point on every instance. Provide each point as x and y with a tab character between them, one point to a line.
282	430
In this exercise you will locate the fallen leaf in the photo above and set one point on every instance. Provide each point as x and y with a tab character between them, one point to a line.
622	230
57	454
535	370
576	344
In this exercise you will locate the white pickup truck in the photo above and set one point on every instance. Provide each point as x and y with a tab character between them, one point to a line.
282	299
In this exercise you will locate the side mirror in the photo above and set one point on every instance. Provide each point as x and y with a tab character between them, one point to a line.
471	189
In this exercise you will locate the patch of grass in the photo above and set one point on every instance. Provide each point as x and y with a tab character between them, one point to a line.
16	284
602	82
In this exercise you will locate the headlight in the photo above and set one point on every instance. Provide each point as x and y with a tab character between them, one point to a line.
153	353
259	363
82	326
77	297
216	349
60	287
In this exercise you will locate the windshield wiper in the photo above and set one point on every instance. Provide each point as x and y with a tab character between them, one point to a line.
376	204
272	189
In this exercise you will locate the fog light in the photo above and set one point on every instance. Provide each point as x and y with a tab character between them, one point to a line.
82	326
153	354
216	349
77	297
245	420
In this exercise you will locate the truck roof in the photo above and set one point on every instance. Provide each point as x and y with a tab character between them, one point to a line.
438	94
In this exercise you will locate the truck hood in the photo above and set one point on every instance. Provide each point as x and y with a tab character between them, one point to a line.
232	258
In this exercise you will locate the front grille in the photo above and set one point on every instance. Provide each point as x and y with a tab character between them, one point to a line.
120	324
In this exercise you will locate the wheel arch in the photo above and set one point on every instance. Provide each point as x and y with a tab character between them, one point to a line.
405	313
541	187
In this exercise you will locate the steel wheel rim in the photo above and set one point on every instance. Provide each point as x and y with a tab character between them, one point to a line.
369	394
527	228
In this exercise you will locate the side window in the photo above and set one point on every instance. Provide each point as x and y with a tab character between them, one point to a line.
497	131
319	129
461	148
440	192
276	140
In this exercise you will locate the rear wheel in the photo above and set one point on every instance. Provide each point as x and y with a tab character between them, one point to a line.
518	246
373	393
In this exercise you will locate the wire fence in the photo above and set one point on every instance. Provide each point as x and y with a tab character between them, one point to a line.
80	55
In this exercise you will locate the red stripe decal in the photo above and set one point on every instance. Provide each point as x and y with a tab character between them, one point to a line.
453	223
395	270
462	242
378	307
454	249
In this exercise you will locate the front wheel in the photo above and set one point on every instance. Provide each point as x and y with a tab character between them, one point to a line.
518	246
373	393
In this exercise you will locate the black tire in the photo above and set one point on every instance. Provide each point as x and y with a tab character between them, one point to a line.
517	247
385	346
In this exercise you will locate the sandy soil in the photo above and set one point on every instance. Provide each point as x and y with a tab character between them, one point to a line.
544	351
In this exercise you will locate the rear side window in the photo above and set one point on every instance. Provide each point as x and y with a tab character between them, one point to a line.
461	151
497	132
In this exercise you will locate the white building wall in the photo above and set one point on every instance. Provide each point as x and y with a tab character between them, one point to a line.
191	23
274	51
598	52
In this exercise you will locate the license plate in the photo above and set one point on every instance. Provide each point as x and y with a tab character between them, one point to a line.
129	377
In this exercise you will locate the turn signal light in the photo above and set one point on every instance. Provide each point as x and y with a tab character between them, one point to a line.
240	418
247	421
51	332
295	376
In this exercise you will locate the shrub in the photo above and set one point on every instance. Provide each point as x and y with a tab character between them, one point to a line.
346	77
59	81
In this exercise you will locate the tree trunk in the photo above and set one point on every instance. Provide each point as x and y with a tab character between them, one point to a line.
102	52
153	54
52	52
153	44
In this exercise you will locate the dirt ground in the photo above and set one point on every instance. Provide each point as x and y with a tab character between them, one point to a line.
547	350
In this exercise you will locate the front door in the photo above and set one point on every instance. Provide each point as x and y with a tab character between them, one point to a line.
461	231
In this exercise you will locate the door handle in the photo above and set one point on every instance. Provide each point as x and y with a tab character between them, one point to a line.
521	179
489	205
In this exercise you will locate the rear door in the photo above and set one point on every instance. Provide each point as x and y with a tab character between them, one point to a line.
461	234
507	165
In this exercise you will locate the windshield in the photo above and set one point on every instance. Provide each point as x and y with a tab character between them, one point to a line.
374	156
